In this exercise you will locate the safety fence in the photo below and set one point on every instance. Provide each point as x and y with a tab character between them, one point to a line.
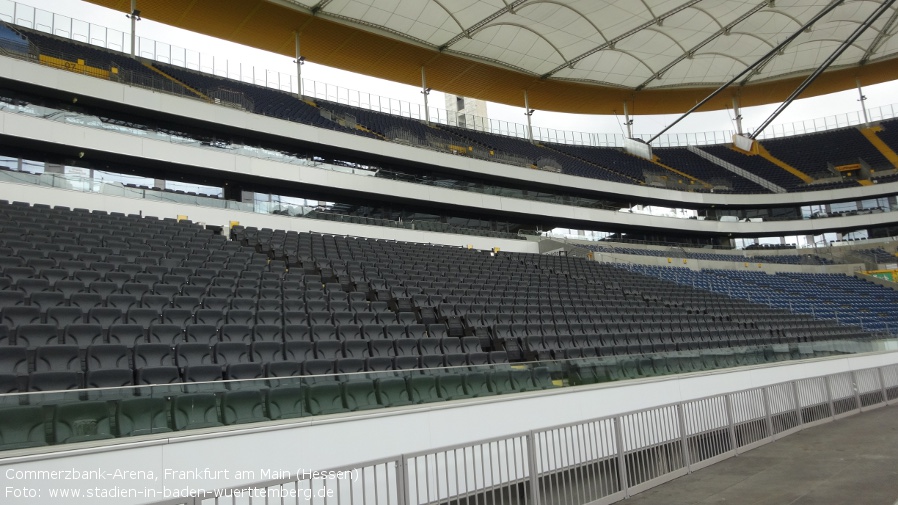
596	462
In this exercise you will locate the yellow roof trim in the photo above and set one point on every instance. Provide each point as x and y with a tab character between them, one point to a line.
270	26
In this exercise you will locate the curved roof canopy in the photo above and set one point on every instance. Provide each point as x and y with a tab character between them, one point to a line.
583	56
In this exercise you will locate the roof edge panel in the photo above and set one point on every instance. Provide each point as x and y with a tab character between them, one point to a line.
506	84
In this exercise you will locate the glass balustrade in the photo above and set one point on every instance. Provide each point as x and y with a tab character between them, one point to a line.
64	416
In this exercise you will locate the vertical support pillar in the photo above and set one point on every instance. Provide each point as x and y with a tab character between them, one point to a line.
627	121
737	110
528	113
425	91
862	99
299	61
133	17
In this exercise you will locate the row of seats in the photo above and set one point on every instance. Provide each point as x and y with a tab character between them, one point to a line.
756	165
25	426
429	352
265	101
862	305
789	259
12	41
636	367
120	270
335	304
722	180
813	153
162	298
110	324
153	365
877	255
19	360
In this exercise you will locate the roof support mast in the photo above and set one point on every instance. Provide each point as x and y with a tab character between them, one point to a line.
737	112
299	62
862	99
425	91
829	61
528	112
135	17
627	121
829	8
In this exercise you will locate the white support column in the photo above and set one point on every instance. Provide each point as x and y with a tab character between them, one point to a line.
862	99
628	121
737	110
133	17
299	61
528	112
425	91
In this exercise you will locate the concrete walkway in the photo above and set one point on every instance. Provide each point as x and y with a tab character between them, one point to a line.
849	461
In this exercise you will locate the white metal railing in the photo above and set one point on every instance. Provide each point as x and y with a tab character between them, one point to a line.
117	40
736	170
854	118
599	461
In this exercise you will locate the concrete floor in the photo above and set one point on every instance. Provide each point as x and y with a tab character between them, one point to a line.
849	461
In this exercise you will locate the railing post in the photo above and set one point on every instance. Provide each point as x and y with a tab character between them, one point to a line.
532	468
402	497
857	392
767	411
797	401
731	420
829	397
621	459
684	445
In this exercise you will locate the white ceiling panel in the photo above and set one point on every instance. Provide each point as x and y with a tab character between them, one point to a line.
627	43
